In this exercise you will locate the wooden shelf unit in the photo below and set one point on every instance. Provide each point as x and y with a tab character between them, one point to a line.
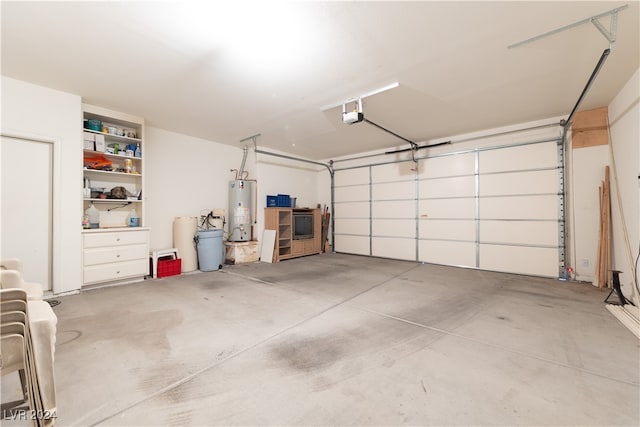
281	220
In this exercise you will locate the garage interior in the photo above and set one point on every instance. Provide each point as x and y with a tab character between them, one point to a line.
477	166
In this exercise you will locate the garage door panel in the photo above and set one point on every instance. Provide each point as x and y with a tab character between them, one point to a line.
395	209
525	207
520	232
511	225
463	186
351	194
352	176
394	227
444	229
448	208
352	244
519	260
447	253
352	210
535	156
352	226
532	182
461	164
393	172
394	191
394	248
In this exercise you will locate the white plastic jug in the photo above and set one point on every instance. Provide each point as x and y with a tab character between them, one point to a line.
94	216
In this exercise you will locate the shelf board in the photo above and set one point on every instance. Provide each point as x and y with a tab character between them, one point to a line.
112	200
98	171
115	156
110	135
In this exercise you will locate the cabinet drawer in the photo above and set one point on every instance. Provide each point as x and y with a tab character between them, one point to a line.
115	271
95	256
98	240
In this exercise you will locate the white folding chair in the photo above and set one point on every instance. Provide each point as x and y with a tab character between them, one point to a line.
11	279
11	316
15	353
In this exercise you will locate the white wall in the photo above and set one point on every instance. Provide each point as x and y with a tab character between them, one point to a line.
184	177
283	176
624	118
585	171
38	111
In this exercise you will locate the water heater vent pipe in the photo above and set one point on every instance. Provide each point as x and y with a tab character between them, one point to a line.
240	172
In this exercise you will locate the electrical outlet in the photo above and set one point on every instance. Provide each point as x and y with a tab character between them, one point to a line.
584	263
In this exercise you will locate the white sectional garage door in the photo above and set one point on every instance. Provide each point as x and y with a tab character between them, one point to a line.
496	209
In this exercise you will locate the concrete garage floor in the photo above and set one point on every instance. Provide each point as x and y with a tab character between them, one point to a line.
344	340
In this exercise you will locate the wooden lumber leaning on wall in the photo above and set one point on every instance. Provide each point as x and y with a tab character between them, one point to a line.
590	128
603	259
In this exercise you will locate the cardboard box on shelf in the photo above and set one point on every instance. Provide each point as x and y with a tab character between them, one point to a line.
100	145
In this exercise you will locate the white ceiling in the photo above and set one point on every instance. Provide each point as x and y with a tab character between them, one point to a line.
224	71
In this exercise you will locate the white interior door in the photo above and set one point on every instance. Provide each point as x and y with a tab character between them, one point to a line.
26	226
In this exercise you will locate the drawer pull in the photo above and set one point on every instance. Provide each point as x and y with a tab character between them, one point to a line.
118	239
118	272
118	256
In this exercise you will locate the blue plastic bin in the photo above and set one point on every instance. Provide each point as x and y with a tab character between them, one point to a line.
284	200
272	201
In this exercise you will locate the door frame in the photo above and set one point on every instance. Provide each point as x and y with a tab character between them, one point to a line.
55	220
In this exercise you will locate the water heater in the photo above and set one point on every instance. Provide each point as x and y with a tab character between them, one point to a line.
240	210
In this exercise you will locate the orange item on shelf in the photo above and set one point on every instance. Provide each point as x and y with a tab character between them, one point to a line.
96	161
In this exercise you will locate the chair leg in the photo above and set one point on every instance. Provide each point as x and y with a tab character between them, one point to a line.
23	384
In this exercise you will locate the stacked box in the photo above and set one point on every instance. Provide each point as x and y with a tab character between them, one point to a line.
89	142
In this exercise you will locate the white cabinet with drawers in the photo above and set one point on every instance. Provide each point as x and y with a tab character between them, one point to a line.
120	255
